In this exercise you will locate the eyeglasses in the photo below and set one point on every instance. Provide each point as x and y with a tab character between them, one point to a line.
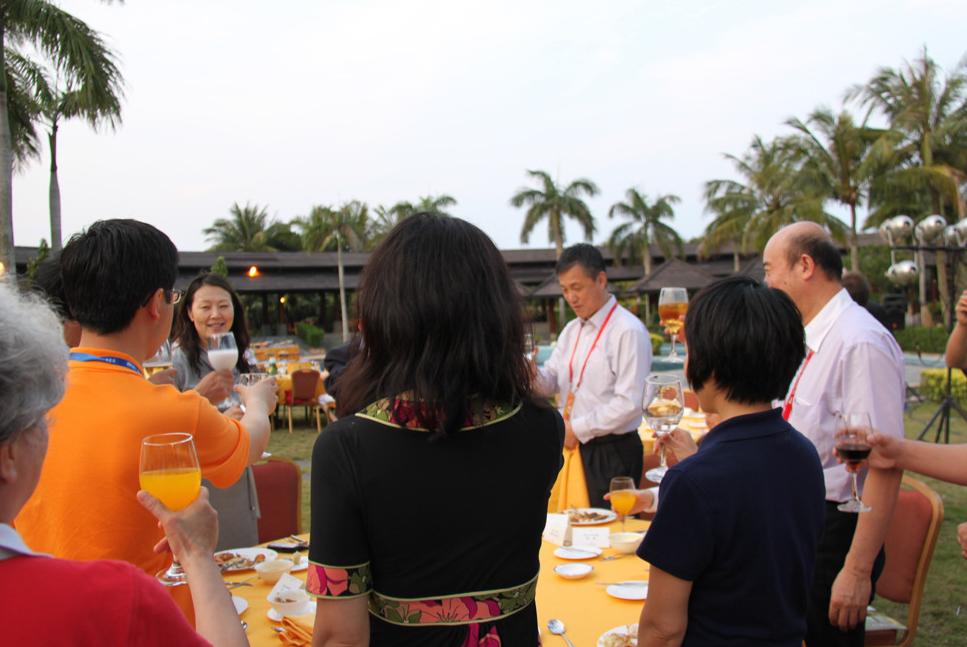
174	296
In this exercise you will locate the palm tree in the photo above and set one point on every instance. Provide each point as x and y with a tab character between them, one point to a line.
728	226
426	204
772	193
644	227
551	202
251	230
346	227
57	101
839	160
929	113
71	47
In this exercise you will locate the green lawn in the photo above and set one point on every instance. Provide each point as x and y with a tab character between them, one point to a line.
943	615
943	618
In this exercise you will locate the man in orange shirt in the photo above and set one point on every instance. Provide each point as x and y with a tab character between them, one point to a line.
118	280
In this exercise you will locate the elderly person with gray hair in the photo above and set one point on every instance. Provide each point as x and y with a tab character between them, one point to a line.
55	601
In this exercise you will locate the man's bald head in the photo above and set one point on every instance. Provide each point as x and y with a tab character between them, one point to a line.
810	239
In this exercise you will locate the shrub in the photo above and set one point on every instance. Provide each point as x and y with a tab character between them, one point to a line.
920	339
932	381
310	334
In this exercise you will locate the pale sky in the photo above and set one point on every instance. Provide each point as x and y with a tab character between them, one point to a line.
295	103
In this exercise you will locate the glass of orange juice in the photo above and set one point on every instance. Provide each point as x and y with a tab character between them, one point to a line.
622	497
170	472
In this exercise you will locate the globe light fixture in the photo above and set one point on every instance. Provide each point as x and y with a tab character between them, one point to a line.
930	228
903	273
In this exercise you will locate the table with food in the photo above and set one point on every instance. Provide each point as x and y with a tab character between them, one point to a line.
595	593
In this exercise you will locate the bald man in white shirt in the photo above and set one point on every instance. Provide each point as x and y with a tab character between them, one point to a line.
598	369
853	364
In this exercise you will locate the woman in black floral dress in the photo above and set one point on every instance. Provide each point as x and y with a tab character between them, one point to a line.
429	495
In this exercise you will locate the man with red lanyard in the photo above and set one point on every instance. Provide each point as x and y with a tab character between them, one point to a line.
852	364
598	369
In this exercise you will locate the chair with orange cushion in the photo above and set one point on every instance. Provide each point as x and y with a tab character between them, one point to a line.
305	383
278	484
910	541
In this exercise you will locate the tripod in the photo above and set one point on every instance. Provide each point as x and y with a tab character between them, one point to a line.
942	415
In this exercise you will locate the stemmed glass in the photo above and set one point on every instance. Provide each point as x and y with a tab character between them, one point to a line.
852	447
663	413
529	346
160	360
223	356
170	472
672	306
623	497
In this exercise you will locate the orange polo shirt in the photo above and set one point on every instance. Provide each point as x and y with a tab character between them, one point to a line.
85	506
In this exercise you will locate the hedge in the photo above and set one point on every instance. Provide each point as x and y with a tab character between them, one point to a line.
310	334
920	339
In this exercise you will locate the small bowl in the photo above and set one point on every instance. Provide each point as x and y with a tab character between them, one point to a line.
271	570
296	606
573	571
626	542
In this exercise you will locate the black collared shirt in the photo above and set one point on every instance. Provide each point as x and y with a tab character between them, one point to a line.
741	520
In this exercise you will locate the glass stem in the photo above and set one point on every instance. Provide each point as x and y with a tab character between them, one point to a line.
674	353
661	456
853	484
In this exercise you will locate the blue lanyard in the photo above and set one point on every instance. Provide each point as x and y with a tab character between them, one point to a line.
107	359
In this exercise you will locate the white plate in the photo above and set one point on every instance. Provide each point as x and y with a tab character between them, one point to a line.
275	617
241	604
301	566
623	630
609	516
629	590
573	571
577	552
249	553
266	455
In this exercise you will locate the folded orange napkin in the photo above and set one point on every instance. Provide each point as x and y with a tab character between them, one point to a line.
297	630
571	489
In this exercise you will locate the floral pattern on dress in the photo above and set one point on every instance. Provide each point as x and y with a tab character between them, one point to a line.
339	582
406	413
455	609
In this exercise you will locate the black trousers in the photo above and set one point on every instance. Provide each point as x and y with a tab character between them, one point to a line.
607	457
834	543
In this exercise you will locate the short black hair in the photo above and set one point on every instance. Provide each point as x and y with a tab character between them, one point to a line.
857	286
587	256
48	283
819	247
747	337
112	269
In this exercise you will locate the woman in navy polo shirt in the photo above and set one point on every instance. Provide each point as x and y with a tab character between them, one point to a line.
733	544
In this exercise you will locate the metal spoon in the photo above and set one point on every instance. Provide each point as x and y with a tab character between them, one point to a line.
556	627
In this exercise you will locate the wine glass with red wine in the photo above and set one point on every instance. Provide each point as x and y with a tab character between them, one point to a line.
852	447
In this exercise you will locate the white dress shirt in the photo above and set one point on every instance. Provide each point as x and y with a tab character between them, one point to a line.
609	399
857	366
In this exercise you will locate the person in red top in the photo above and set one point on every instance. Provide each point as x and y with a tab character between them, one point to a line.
50	601
118	283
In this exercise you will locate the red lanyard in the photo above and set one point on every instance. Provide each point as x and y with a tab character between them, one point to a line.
787	409
570	367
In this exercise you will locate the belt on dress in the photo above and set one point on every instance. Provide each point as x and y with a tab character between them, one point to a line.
459	609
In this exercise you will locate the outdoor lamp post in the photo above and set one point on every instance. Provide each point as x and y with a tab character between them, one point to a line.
932	234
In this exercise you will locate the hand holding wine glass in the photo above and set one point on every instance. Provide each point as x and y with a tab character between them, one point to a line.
170	472
663	413
852	447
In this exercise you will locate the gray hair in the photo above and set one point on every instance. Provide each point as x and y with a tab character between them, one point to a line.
33	361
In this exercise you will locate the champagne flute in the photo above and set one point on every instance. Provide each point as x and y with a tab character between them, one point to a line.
663	413
623	497
672	306
170	472
852	447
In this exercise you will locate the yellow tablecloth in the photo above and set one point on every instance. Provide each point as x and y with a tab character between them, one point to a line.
583	605
570	489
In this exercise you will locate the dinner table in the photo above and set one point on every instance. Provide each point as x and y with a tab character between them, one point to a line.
584	605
